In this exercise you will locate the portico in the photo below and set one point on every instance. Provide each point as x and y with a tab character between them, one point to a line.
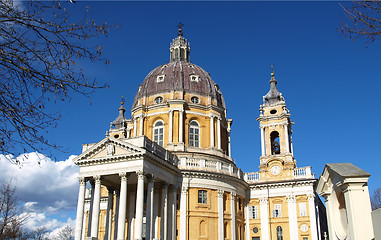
130	176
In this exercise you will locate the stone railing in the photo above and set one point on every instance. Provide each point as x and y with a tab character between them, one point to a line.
154	148
304	172
251	177
209	166
299	173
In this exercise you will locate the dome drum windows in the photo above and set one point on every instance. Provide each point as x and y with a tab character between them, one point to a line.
158	100
158	133
195	100
194	134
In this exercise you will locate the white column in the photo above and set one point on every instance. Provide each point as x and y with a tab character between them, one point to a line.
80	208
211	131
229	142
263	147
313	222
122	206
232	204
181	126
292	217
164	212
139	205
131	215
116	216
247	221
286	139
149	211
264	218
109	213
156	212
183	212
219	133
96	207
141	127
173	212
128	132
92	183
83	236
221	215
135	127
170	134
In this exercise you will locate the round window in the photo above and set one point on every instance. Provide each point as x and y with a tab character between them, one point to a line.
195	100
116	136
255	230
273	111
158	100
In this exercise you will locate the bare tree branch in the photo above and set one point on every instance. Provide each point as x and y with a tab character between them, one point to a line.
40	46
363	21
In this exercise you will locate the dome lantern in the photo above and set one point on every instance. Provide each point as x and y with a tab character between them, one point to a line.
179	49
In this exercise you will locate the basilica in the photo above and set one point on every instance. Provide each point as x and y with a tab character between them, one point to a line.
167	172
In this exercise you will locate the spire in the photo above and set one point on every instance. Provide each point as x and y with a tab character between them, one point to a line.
273	96
179	47
119	122
180	29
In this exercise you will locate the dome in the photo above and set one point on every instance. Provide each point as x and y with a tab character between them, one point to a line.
179	76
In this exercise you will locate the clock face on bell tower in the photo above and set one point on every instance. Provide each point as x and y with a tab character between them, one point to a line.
275	170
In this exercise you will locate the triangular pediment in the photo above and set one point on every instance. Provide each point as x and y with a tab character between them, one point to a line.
107	148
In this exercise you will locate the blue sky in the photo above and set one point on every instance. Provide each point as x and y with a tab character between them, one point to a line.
331	84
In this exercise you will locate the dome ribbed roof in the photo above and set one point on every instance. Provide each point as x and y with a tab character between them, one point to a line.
179	76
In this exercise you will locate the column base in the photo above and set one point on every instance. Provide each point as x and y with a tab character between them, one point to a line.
91	238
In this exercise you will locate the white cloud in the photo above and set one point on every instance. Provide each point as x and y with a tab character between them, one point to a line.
48	189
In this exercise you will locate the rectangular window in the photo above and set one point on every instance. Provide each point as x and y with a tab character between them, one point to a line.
202	196
253	211
302	209
255	238
305	238
277	212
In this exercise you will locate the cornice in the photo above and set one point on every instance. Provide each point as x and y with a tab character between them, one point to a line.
282	184
213	176
274	117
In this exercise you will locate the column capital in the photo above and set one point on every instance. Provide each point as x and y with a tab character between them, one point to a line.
150	178
311	197
212	116
233	195
184	190
263	200
82	180
97	178
220	193
124	176
140	174
291	198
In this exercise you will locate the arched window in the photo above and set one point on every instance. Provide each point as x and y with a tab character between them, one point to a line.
159	100
194	134
158	133
275	147
279	233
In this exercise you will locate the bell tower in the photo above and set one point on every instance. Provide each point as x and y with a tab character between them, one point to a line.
277	160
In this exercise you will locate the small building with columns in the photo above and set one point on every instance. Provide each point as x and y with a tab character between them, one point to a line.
167	172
